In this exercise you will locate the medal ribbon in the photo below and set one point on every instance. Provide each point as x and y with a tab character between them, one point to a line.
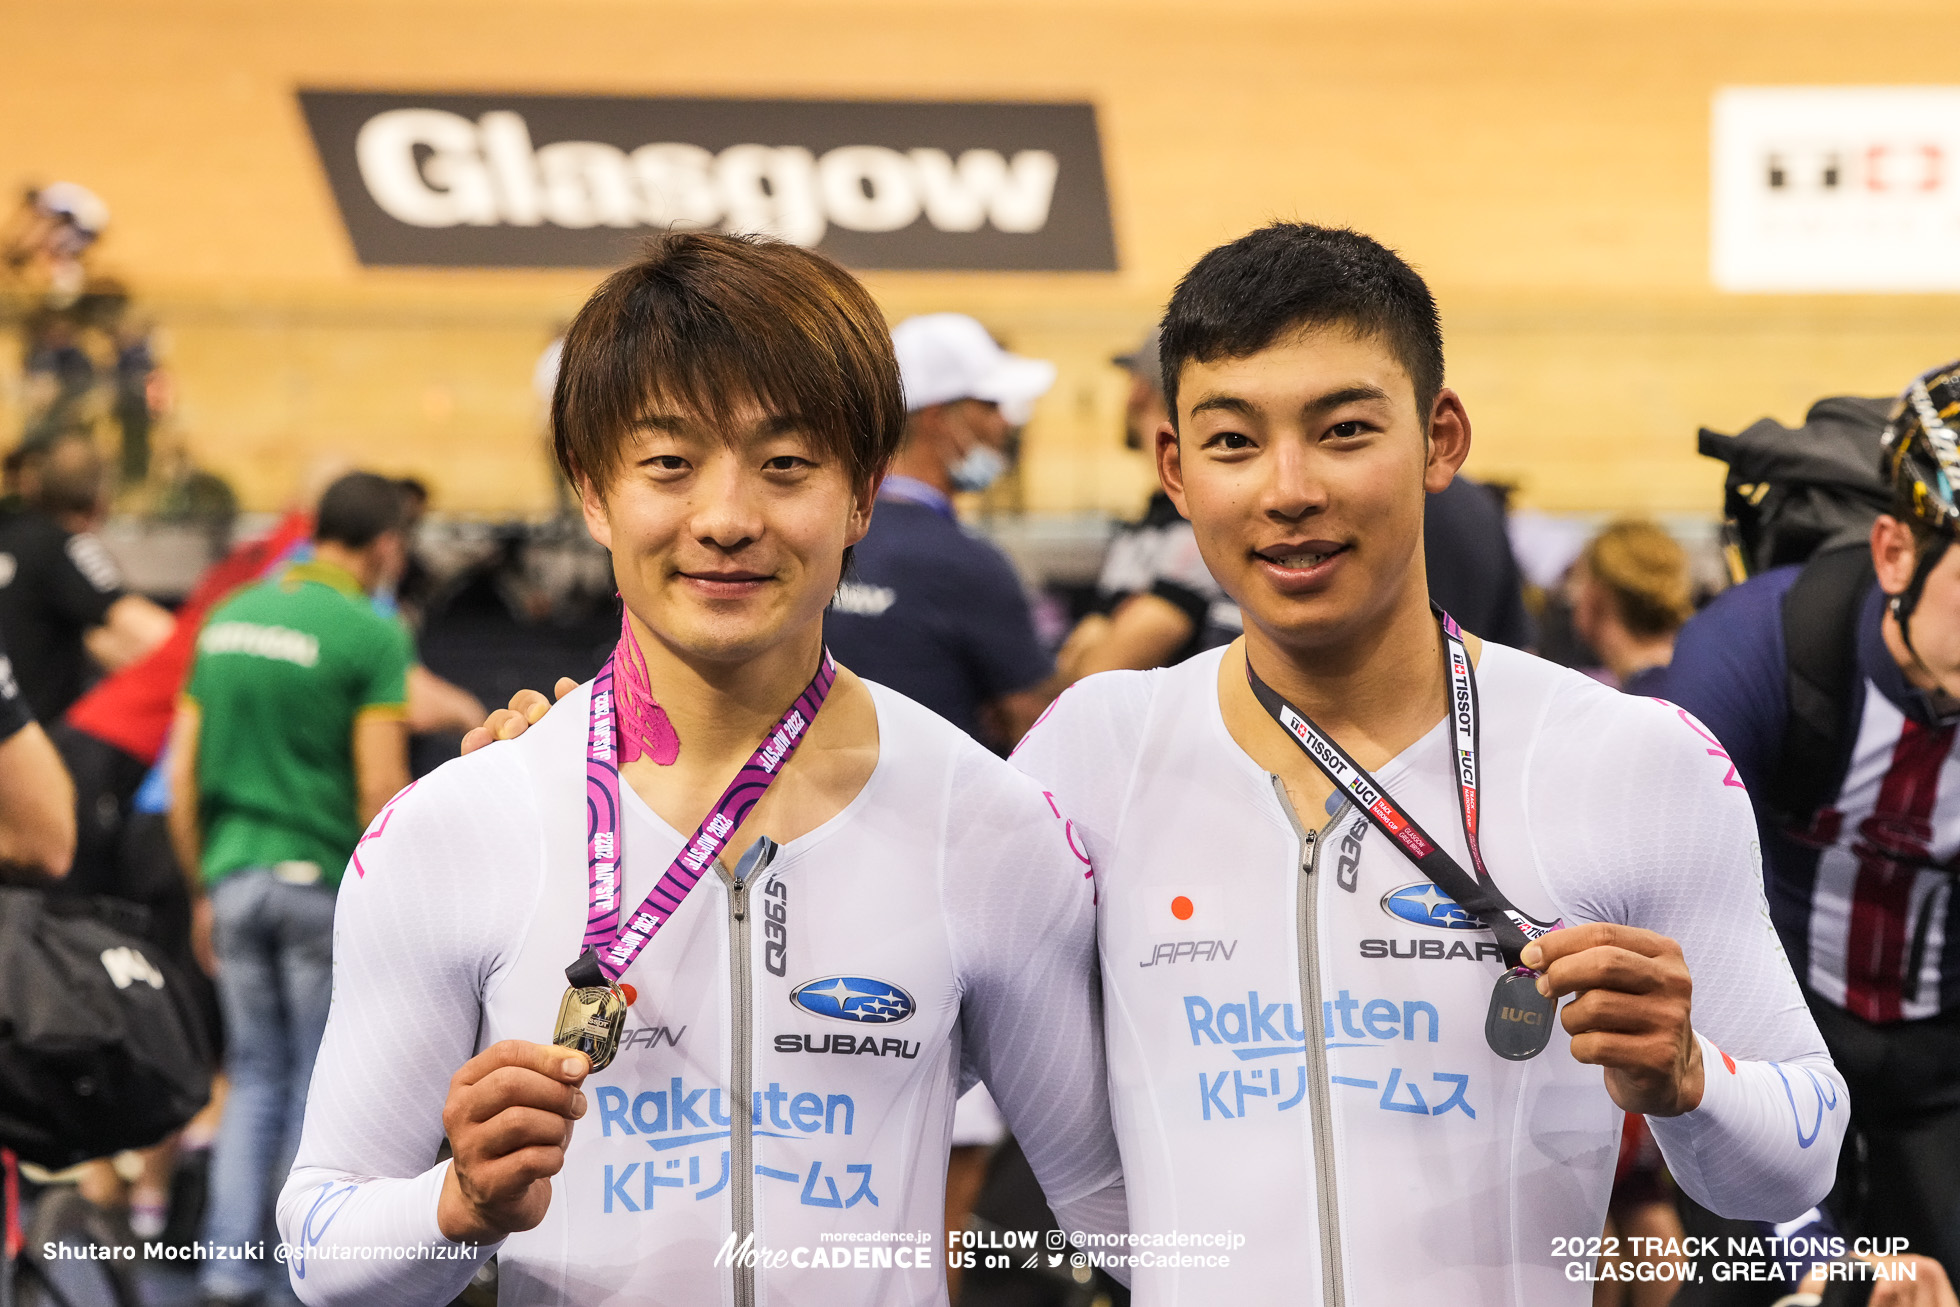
1477	894
612	947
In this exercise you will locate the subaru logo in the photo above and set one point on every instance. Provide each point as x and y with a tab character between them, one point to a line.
853	998
1422	904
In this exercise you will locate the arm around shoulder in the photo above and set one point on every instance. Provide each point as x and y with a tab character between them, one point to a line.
1083	750
1729	672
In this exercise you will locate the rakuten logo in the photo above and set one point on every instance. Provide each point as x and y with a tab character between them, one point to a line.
1261	1030
695	1113
433	168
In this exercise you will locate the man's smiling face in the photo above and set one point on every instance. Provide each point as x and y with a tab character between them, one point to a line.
725	538
1303	468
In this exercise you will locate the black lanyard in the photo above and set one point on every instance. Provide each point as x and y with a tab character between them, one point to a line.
1516	1001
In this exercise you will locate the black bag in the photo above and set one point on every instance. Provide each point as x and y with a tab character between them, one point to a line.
1797	491
102	1047
1808	495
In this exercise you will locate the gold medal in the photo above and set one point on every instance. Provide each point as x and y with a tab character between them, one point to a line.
590	1020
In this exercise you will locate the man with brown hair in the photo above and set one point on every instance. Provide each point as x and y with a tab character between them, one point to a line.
751	1081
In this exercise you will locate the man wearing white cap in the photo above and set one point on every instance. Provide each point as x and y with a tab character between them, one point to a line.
927	608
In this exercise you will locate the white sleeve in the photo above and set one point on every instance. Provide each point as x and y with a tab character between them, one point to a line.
1020	912
439	889
1646	825
1083	751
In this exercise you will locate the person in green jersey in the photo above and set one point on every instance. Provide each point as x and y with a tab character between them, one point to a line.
291	736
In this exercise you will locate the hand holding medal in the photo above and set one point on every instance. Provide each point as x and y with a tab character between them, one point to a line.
510	1109
508	1118
1631	1013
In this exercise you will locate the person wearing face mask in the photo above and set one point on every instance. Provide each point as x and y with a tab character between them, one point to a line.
927	607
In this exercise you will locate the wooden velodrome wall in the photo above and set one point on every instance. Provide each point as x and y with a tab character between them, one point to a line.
1545	163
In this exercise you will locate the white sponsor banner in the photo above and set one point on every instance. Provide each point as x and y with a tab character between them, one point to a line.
1836	188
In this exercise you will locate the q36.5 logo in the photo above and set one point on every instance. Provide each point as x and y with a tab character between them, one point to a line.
854	998
1422	904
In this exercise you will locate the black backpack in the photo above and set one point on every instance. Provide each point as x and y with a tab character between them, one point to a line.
1808	495
102	1046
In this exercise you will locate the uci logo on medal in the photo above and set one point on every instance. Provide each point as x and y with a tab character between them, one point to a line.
853	998
1424	905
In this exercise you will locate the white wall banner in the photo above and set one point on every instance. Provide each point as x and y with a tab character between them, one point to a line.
1836	188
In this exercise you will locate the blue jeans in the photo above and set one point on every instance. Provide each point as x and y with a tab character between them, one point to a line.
274	942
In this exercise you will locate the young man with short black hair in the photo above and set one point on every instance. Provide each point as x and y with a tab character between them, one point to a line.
1312	1043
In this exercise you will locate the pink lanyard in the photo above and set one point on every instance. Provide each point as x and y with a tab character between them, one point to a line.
609	950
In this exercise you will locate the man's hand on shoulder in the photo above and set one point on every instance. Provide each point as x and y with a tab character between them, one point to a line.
527	707
509	1118
1631	1013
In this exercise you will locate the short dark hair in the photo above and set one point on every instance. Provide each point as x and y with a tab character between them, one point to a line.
1241	297
705	321
358	509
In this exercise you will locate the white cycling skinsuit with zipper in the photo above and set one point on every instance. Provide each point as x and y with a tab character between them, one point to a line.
1308	1110
944	910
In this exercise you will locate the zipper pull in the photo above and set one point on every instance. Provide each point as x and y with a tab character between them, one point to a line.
758	857
1306	852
